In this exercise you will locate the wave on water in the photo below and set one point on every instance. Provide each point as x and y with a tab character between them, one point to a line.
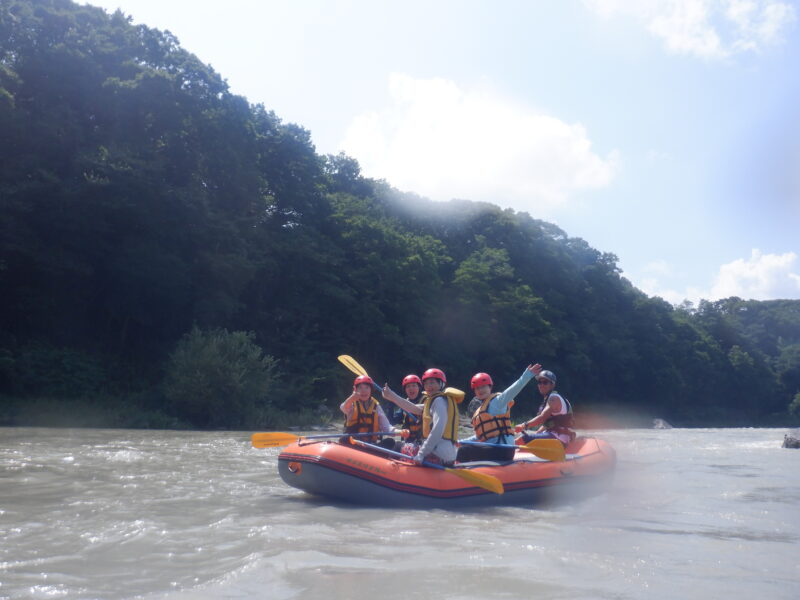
202	515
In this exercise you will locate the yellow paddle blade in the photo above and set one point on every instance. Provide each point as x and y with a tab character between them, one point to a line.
552	450
272	439
487	482
352	364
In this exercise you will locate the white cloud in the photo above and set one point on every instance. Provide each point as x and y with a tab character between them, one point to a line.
652	286
658	267
710	29
761	277
441	141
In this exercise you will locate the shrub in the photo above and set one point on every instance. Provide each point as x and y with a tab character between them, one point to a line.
220	379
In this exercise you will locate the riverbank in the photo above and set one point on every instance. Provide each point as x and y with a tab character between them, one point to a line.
132	412
147	411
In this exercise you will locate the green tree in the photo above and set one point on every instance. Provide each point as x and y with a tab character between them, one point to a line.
220	379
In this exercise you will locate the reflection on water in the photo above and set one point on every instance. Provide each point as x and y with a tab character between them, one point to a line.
135	514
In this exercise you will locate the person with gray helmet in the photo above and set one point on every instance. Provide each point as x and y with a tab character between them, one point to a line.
554	420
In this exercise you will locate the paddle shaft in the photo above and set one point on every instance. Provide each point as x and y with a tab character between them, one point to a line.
482	480
549	449
354	367
274	439
399	455
338	435
491	445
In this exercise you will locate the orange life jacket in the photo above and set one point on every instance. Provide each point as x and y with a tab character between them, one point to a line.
363	419
489	426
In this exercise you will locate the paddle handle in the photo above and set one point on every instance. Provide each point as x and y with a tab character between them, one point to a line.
338	435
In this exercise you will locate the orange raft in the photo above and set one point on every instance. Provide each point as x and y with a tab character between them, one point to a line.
350	474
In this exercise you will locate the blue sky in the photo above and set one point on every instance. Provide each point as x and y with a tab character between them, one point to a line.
666	132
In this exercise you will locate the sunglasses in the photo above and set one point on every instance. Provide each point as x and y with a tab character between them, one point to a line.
543	382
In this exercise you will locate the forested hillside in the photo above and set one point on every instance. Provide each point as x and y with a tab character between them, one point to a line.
171	255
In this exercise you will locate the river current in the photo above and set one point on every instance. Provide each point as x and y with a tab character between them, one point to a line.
120	514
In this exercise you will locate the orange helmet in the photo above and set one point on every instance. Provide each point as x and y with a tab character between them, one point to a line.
481	379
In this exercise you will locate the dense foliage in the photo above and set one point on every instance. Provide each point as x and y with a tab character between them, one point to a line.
150	218
217	378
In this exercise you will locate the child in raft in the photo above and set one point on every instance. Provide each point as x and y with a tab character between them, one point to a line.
491	420
439	414
363	413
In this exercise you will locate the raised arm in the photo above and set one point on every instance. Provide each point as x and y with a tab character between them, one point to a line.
347	406
499	403
409	407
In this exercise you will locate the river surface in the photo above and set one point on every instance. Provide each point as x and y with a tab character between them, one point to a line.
117	514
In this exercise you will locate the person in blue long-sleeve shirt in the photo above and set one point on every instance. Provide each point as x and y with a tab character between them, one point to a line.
491	421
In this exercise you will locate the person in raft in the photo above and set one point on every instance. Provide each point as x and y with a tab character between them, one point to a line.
439	420
363	413
555	414
412	386
491	420
411	418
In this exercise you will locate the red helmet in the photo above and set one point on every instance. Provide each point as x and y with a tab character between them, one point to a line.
411	379
363	379
434	374
481	379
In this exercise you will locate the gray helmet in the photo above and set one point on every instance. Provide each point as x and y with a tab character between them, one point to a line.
547	375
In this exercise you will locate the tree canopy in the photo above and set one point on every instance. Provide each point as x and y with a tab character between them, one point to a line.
145	208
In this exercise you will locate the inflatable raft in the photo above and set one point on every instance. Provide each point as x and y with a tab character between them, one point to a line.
352	474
